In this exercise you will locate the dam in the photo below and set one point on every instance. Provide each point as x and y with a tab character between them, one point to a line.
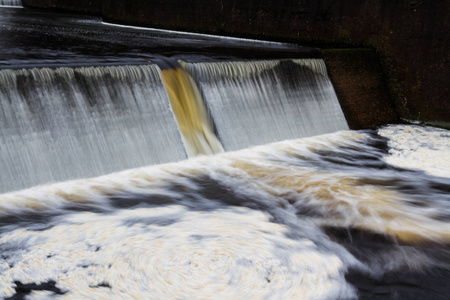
144	163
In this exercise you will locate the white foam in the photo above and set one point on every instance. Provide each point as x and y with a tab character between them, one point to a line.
269	173
228	253
416	147
199	247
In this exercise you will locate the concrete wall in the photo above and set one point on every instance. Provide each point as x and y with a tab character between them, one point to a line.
361	87
410	36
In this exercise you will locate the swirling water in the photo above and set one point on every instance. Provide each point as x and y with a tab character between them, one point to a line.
286	220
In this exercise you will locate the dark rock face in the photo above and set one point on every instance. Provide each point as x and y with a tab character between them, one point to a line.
411	36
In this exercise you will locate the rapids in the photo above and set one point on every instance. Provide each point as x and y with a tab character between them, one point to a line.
278	221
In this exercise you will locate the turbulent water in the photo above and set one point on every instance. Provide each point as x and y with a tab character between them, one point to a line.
67	123
346	215
288	220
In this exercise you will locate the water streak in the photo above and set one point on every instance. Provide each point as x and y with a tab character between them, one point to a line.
190	112
15	3
259	102
66	123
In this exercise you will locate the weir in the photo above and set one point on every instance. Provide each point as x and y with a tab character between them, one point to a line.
353	214
259	102
10	2
66	123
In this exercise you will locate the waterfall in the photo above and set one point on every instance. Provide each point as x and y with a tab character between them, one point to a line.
10	2
189	108
348	214
66	123
258	102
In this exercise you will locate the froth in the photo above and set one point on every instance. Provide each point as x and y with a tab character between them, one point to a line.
416	147
289	173
255	223
227	253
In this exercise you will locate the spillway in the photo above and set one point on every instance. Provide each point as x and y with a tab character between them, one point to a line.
258	102
10	2
66	123
344	215
189	108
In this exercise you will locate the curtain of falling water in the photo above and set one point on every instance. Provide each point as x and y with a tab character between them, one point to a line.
259	102
65	123
190	112
10	2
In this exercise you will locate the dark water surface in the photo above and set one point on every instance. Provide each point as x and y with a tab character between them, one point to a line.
35	38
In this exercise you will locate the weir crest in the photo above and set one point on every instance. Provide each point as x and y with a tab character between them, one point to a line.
67	123
10	2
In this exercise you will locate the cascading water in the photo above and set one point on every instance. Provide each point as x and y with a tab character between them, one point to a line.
66	123
254	103
346	215
193	120
10	2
